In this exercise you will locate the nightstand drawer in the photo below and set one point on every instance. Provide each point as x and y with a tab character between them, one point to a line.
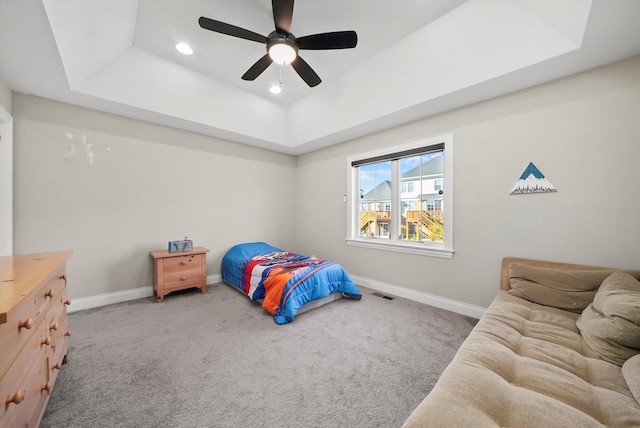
182	279
192	261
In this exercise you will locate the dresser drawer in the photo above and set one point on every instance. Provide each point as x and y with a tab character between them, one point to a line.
18	383
48	292
32	408
59	343
182	279
171	264
16	332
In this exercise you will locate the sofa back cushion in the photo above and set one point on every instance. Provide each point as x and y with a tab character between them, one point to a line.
611	324
631	373
566	289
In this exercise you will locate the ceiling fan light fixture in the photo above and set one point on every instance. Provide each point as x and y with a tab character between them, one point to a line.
275	89
184	48
282	51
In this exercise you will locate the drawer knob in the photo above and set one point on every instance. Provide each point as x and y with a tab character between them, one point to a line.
67	302
67	333
53	326
28	323
15	398
56	366
64	278
46	341
183	263
46	387
49	293
184	278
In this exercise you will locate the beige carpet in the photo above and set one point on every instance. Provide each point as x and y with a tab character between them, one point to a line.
218	360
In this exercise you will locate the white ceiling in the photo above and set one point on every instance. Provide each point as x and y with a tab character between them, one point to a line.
414	58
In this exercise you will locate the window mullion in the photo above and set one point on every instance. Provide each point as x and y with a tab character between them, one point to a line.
396	212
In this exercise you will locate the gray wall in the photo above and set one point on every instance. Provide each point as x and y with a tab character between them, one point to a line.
582	132
111	189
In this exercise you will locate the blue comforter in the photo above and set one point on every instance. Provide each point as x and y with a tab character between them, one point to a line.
284	281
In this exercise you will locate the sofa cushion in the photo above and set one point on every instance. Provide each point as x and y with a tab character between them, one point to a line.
527	365
611	324
631	373
571	290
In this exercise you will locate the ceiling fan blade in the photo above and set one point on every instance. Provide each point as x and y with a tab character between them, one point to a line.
282	13
306	72
334	40
230	30
257	68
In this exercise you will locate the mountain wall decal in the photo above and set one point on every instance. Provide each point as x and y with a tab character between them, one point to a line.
532	181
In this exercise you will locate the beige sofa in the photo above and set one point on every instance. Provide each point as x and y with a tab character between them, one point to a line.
558	347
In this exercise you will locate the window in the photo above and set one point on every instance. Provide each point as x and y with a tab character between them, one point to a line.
407	186
397	198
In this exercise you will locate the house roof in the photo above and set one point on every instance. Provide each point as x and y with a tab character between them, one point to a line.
382	192
434	166
414	59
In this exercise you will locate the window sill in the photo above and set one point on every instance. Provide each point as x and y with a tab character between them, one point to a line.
420	249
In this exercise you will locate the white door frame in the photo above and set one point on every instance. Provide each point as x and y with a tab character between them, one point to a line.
6	183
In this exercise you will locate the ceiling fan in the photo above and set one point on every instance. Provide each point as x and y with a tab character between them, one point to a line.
282	46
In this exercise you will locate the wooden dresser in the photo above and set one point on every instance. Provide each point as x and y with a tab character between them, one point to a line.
33	334
177	271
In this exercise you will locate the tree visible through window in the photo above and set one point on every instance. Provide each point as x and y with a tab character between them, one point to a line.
421	221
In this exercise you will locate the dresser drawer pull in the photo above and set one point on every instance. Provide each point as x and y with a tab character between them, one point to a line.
56	366
67	333
183	278
54	326
64	278
46	387
67	302
15	398
183	263
46	341
28	323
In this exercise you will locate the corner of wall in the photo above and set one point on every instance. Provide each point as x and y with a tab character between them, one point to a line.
5	97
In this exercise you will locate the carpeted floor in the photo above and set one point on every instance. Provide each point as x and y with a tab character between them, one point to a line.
218	360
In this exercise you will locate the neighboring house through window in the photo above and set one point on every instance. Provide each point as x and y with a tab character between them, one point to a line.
397	198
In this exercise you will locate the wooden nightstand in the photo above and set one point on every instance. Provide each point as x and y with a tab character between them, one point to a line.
177	271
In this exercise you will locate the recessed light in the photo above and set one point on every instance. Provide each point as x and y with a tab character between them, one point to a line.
275	89
184	48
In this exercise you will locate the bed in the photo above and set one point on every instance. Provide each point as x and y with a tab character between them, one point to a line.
285	283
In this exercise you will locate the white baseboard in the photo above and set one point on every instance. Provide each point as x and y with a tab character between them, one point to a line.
418	296
214	279
109	299
121	296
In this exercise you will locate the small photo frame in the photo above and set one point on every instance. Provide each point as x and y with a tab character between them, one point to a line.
180	246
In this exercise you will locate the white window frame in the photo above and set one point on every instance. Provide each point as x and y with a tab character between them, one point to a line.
433	249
